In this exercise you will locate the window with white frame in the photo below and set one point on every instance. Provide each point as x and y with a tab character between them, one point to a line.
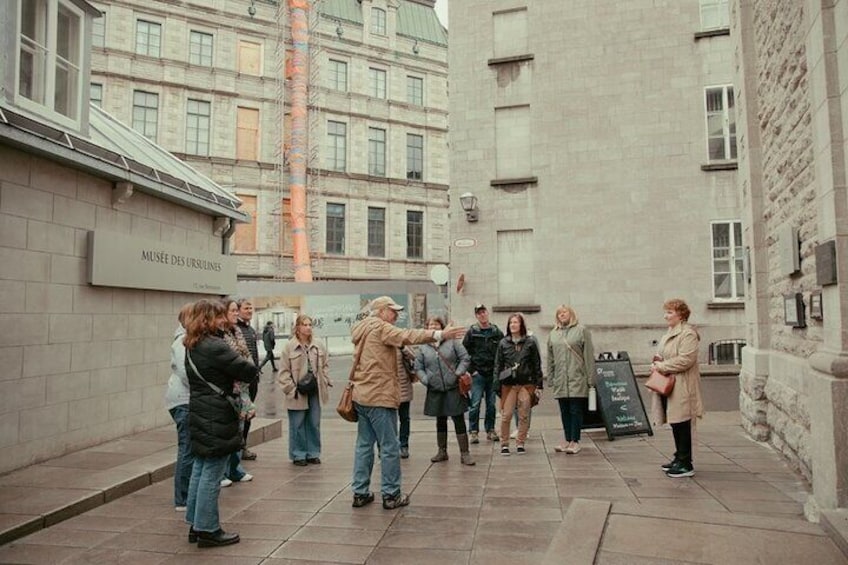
337	146
50	45
415	90
377	152
728	260
377	80
376	232
338	75
145	117
715	14
98	31
335	229
200	48
148	38
414	234
378	21
721	123
96	93
414	156
198	114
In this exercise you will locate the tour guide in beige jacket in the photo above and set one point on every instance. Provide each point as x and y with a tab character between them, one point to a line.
376	395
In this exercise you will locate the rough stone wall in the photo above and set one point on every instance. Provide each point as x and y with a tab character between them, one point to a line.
773	401
79	364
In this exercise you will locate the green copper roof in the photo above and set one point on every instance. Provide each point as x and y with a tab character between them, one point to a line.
414	20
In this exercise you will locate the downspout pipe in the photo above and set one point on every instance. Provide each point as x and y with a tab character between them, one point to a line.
225	237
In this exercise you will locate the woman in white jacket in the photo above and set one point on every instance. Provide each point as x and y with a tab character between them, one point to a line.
176	401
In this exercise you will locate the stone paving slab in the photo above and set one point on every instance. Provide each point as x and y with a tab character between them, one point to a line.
609	501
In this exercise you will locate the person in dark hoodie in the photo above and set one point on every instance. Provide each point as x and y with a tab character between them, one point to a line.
376	396
212	367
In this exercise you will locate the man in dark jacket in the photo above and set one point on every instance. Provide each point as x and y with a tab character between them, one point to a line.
269	340
245	315
481	342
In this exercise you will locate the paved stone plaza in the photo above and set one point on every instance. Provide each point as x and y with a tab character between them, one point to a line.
605	505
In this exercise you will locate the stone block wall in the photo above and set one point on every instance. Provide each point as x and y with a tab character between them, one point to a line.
79	364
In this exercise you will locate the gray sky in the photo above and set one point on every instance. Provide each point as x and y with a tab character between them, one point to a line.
442	11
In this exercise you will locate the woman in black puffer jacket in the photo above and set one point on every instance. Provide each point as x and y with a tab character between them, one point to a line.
518	377
213	421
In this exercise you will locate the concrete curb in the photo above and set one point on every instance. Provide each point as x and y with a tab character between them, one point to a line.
579	537
835	523
139	474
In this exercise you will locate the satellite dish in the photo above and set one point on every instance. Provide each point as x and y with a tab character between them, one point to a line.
440	274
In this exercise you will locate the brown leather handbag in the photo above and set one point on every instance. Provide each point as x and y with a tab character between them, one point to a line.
345	408
659	383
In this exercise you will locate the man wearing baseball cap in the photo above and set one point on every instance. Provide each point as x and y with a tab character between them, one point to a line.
376	396
481	342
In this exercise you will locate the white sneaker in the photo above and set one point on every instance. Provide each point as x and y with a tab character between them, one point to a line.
246	478
226	483
179	508
514	434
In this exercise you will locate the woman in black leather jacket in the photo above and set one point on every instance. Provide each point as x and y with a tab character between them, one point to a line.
518	375
212	367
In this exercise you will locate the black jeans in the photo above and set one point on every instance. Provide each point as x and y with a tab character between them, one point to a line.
458	424
571	412
253	390
683	442
403	416
269	356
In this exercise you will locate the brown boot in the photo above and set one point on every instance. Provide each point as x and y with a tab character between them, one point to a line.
442	454
465	454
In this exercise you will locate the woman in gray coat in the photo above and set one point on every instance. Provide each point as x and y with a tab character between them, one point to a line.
571	366
438	367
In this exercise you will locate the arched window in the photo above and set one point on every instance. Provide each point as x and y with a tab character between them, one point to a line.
378	21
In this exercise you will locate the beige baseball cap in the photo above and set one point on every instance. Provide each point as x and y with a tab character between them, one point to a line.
385	302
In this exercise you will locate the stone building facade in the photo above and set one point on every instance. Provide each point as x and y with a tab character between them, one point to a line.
791	67
598	138
209	81
81	364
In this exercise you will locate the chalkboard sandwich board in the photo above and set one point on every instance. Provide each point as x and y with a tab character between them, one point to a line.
619	401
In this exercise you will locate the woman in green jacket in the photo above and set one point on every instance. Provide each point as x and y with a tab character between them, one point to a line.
571	364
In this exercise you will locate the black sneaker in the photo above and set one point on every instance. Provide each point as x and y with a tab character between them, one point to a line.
679	470
505	450
669	465
360	500
216	539
396	501
520	450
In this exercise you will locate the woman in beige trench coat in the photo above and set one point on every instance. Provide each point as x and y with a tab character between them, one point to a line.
678	355
301	356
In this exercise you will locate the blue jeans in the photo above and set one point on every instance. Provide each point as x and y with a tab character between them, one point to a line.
376	424
234	470
403	416
305	431
203	491
571	412
185	459
481	384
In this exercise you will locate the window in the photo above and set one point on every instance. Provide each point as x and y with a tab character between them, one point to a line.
715	14
377	79
336	229
414	234
145	113
244	240
249	57
726	352
286	245
728	261
377	152
376	232
96	94
50	48
247	134
337	150
721	123
516	248
98	31
510	33
378	21
513	158
415	90
200	48
338	75
414	156
148	38
197	127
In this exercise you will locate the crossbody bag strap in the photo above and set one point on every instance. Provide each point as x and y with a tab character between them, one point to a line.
444	360
356	357
215	388
574	351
